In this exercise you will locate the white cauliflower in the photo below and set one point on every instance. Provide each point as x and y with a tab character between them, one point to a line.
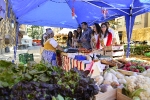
139	81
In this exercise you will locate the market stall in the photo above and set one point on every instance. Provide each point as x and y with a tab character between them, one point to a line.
82	57
84	74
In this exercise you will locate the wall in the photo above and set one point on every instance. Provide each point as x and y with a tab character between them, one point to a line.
7	29
140	34
139	22
149	20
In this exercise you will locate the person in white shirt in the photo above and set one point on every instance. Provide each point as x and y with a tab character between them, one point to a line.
106	37
95	37
50	46
113	33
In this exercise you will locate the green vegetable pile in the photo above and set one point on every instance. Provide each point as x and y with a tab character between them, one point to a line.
44	82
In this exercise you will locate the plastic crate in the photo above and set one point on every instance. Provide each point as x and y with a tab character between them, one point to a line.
25	57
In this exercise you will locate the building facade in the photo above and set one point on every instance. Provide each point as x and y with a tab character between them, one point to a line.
140	28
141	21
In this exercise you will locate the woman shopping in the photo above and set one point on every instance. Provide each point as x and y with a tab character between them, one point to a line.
106	36
75	39
50	46
69	40
95	37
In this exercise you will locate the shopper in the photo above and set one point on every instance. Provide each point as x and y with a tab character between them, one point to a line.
95	37
106	36
74	39
50	46
43	38
79	30
113	33
69	40
86	36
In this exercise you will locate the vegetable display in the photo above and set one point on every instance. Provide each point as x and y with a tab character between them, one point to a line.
111	79
146	73
44	82
136	66
137	87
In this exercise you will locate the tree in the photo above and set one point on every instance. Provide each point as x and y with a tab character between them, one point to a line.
113	23
35	31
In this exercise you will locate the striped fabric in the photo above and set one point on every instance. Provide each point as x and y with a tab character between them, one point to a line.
69	63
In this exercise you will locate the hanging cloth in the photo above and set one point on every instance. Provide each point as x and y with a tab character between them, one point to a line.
98	42
109	39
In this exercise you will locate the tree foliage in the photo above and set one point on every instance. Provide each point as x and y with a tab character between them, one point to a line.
35	31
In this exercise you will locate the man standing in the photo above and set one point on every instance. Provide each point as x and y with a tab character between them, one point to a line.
86	36
43	38
113	33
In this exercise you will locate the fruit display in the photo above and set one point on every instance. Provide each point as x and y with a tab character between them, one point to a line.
135	66
44	82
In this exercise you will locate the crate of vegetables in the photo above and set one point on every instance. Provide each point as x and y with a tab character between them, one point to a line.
134	66
109	95
121	96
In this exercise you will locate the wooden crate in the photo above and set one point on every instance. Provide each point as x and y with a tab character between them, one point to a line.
114	53
128	73
110	95
115	94
110	48
121	96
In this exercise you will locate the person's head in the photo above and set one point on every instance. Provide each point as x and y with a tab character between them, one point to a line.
70	35
75	33
104	29
84	25
50	34
79	30
96	28
107	23
48	29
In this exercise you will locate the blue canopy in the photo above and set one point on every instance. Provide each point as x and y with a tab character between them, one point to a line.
57	13
128	8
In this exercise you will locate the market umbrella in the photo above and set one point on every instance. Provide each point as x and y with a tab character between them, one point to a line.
58	13
128	8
